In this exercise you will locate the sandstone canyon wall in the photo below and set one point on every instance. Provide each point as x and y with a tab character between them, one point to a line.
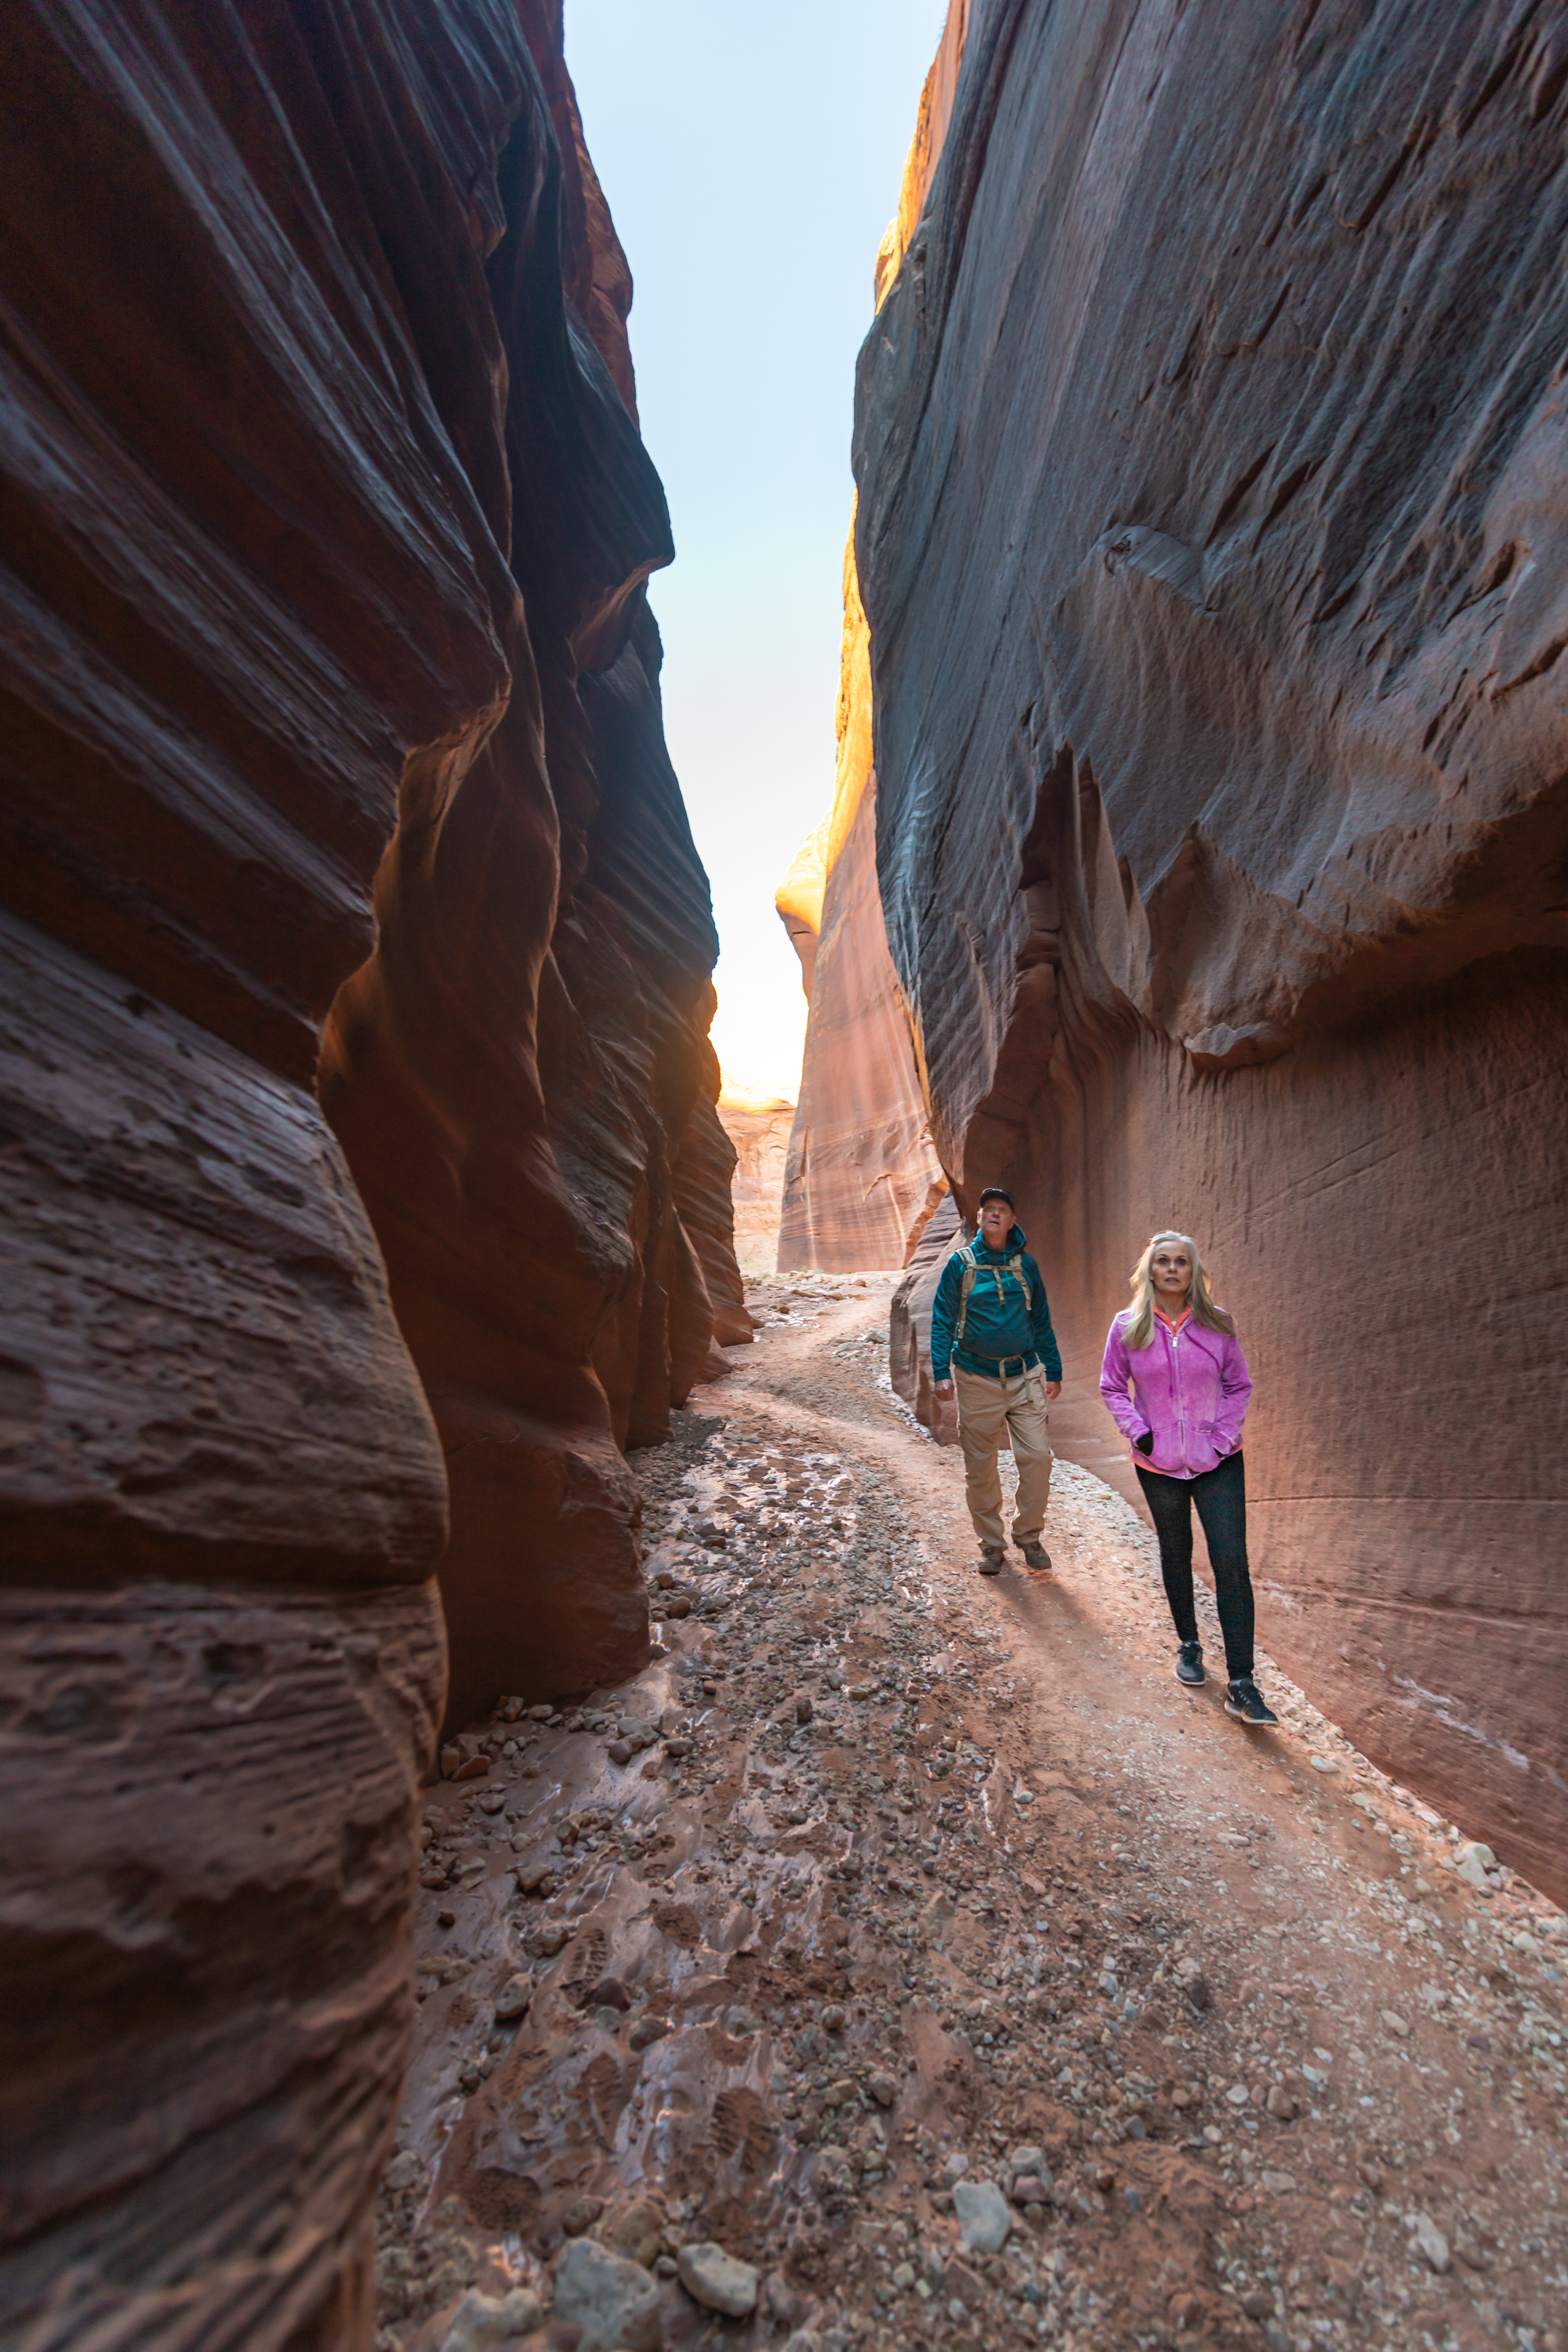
860	1178
759	1128
1210	449
326	522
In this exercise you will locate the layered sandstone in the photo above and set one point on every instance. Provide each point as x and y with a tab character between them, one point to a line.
327	521
758	1127
1208	449
860	1177
908	1324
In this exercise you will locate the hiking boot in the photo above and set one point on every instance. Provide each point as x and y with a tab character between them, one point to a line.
1246	1700
1190	1665
1035	1556
990	1560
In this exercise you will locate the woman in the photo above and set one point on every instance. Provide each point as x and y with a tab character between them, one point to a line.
1176	1383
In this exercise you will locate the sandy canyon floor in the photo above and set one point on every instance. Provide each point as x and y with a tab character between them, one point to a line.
906	1958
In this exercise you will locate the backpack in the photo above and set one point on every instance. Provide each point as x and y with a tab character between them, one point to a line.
1011	1265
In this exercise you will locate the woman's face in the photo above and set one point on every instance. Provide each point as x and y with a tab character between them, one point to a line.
1171	1268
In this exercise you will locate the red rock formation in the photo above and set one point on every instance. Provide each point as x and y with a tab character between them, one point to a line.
908	1324
861	1177
1208	449
319	498
705	1173
524	1155
758	1128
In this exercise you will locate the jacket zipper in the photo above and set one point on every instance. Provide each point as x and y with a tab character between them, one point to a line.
1181	1399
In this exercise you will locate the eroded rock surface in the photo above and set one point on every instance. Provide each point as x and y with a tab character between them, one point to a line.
520	1074
909	1325
1208	533
861	1178
758	1128
326	525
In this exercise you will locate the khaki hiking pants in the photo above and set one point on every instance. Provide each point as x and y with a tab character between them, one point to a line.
992	1414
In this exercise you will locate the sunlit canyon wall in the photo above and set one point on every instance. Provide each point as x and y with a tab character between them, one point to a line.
862	1177
343	872
759	1128
1210	533
862	1180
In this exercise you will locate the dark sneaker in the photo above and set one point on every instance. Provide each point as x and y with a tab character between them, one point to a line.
1245	1699
1189	1663
990	1560
1035	1556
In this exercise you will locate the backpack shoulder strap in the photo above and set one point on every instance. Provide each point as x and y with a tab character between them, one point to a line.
966	1284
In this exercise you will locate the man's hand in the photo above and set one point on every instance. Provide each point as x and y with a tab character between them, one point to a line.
1053	1390
943	1388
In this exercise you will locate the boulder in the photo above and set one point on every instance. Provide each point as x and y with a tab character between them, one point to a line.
613	2301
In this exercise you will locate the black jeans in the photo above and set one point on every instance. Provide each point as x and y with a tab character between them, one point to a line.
1220	1494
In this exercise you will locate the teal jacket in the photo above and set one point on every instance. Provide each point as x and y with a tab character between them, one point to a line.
999	1327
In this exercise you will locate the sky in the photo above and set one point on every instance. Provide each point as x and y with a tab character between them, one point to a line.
751	154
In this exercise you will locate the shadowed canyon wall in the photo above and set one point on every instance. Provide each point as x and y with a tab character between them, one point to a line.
332	746
1211	533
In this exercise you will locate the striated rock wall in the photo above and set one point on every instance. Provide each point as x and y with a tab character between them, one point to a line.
860	1178
326	525
759	1131
526	1155
909	1323
1209	447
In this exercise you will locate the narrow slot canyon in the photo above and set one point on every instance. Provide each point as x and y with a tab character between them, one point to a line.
525	1823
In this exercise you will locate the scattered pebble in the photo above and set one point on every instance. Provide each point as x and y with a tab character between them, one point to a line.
983	2221
716	2280
1430	2242
513	1999
483	2320
789	1936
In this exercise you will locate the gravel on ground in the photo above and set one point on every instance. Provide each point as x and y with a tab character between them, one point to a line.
905	1958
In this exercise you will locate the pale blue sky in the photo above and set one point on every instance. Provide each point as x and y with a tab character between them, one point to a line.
751	157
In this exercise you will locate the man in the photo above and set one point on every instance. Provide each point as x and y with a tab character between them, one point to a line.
991	1339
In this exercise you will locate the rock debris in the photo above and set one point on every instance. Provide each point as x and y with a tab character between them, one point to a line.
899	1960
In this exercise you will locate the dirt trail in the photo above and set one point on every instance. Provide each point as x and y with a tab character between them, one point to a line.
885	1881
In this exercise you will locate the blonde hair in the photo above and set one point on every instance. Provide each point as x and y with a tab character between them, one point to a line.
1138	1328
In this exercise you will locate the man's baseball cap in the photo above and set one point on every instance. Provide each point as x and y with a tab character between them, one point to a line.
996	1193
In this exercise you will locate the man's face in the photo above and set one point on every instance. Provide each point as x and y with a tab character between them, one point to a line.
996	1223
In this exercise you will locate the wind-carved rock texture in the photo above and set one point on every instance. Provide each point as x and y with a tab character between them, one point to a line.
861	1178
909	1323
320	491
1210	446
